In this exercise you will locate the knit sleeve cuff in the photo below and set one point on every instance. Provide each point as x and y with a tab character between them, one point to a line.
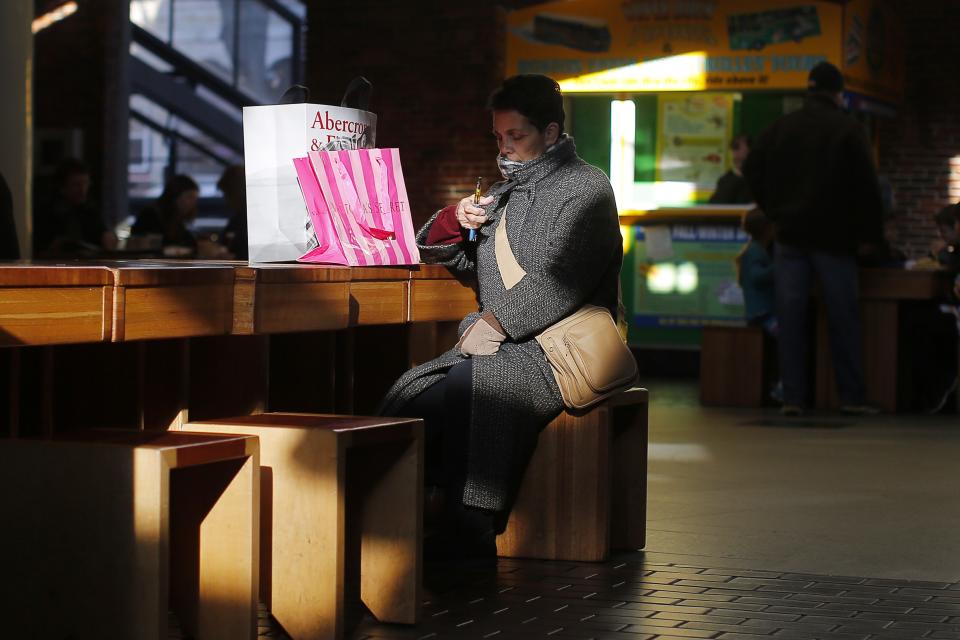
445	228
450	255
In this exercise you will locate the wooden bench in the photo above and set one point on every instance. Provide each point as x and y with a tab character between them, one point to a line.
111	530
341	518
585	490
736	366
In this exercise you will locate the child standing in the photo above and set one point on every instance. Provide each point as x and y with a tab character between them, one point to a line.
755	275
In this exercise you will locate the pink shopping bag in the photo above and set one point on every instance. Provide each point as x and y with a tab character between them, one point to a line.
325	247
358	207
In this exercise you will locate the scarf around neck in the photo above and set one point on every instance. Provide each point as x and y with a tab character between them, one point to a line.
523	178
522	171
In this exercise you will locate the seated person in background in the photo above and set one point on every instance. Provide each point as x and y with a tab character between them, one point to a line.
886	253
732	187
168	215
9	247
756	277
234	188
932	327
946	248
70	225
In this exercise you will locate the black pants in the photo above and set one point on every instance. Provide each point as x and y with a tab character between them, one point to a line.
445	409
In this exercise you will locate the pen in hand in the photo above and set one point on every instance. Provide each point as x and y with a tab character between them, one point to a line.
472	233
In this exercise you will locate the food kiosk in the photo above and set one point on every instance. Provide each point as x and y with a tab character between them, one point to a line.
656	89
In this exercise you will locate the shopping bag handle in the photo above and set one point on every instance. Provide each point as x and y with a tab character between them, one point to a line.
357	94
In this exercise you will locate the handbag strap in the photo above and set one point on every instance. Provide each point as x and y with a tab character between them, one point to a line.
510	270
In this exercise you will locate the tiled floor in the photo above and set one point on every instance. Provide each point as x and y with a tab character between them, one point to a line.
750	517
646	597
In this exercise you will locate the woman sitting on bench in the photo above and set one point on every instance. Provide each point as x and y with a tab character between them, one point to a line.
485	400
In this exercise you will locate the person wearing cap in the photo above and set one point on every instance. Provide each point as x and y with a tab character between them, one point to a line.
812	174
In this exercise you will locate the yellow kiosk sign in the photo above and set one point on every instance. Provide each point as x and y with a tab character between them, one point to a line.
674	45
872	49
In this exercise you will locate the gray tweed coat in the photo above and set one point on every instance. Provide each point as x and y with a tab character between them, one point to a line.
563	229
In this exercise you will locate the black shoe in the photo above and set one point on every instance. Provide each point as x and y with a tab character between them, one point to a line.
468	539
464	553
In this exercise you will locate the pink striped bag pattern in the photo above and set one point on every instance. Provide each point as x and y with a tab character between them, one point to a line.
363	198
327	247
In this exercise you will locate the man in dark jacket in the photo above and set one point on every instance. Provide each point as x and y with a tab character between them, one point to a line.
812	174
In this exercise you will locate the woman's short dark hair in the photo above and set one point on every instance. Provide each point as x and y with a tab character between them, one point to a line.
177	185
532	95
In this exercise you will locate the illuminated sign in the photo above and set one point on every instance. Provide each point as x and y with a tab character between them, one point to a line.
647	45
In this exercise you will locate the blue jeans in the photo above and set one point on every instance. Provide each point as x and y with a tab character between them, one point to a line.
837	275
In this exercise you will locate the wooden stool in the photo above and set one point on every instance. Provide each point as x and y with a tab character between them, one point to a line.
733	366
585	489
342	502
105	532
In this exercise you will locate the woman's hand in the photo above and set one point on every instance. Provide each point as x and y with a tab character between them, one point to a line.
470	215
483	337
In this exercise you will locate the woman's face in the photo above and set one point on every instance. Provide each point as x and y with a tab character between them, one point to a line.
518	139
187	204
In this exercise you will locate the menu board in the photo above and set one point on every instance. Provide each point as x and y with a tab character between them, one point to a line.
693	139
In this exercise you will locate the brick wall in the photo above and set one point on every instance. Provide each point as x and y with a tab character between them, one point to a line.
920	148
432	65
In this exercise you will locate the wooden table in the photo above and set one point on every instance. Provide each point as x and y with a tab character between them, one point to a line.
883	293
159	300
167	341
55	304
144	300
286	298
437	296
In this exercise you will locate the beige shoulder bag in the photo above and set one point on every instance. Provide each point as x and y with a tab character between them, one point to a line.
589	358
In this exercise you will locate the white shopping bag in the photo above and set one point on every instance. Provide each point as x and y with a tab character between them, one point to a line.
273	135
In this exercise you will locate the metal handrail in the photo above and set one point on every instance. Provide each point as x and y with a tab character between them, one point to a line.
173	133
189	69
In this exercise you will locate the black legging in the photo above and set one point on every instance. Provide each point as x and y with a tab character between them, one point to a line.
445	409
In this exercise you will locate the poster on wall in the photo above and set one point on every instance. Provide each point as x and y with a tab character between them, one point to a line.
693	138
872	49
682	45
